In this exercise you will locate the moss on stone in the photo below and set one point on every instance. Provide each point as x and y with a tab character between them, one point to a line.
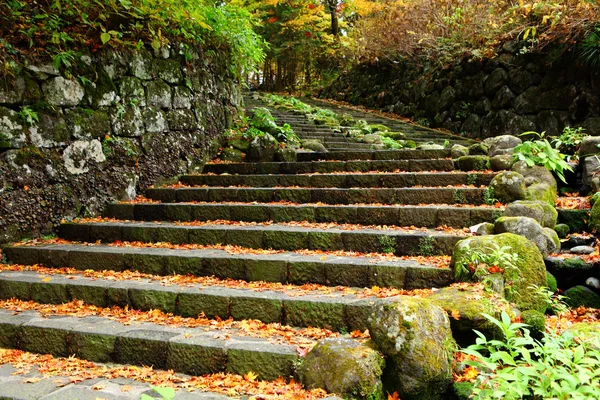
578	296
536	321
344	367
529	268
541	192
473	163
462	390
594	221
562	230
4	141
551	282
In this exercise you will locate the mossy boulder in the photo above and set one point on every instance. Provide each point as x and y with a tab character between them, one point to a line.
232	155
478	149
501	162
263	148
88	124
527	270
551	282
585	329
541	211
394	135
371	138
502	145
578	296
507	187
462	390
536	321
344	367
589	146
546	240
240	144
562	230
430	146
541	192
594	221
458	151
379	128
539	181
286	155
472	163
416	338
465	306
314	145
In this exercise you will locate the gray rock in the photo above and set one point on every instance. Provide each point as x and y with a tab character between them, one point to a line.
592	126
458	151
589	146
286	155
127	121
472	125
495	81
132	91
506	122
535	174
231	155
415	337
591	167
371	138
159	94
507	187
263	148
582	250
542	212
472	163
63	92
530	229
431	146
344	367
155	120
12	130
80	153
478	149
141	65
482	229
501	162
504	144
182	97
314	145
562	230
52	129
503	99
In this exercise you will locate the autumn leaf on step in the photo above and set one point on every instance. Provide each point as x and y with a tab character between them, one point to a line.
302	351
455	314
250	376
98	387
394	396
31	380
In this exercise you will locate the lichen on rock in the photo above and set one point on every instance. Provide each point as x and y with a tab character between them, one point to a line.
78	155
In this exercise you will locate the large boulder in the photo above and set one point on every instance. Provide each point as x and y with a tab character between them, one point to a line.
504	144
263	148
507	187
541	211
344	367
539	181
503	162
545	241
526	270
478	149
415	336
465	307
458	151
594	221
472	163
589	146
232	155
578	296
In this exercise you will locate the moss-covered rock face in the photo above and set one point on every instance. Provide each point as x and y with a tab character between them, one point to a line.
286	155
472	163
545	239
585	329
465	307
578	296
541	192
540	182
562	230
63	92
415	336
501	162
344	367
545	214
478	149
314	145
536	321
528	270
12	131
507	187
551	282
231	155
458	151
85	123
263	148
594	221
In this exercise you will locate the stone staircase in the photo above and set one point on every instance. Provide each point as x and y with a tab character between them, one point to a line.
275	243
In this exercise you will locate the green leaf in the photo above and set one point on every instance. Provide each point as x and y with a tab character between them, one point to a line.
105	37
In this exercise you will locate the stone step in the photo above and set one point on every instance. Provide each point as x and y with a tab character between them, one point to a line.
105	381
334	309
194	351
284	267
406	196
420	216
375	155
412	165
283	236
349	180
335	147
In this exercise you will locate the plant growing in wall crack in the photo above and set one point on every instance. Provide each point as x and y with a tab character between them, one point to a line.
28	116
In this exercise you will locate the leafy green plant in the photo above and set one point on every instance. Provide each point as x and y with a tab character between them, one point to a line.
489	196
555	367
554	302
459	197
426	244
388	244
492	259
569	140
541	152
28	116
589	52
472	179
391	143
166	393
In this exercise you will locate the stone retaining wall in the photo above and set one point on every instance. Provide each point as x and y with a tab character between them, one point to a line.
108	127
509	94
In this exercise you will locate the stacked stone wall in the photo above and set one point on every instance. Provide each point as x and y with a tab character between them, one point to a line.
105	129
509	94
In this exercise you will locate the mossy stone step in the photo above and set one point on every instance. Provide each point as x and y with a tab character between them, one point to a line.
375	155
349	180
414	165
279	237
408	196
186	350
420	216
292	268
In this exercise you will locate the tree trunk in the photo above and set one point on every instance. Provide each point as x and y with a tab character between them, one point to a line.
335	28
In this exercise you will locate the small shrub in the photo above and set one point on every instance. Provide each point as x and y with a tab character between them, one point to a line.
570	139
541	152
426	244
388	244
459	197
555	367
